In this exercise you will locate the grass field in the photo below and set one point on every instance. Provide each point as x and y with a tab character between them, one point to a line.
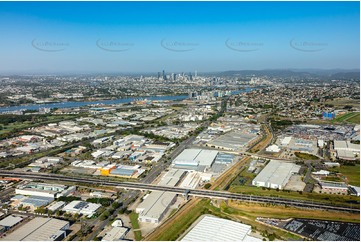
353	117
134	221
352	173
334	199
28	124
260	210
306	156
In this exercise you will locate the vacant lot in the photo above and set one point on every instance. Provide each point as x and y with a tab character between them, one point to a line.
341	102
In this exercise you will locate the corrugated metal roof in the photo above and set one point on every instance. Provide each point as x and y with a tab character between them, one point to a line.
38	229
218	229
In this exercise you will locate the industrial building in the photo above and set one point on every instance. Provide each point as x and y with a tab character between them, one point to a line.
44	190
115	234
154	206
334	187
172	177
56	206
233	140
32	202
195	159
211	228
10	221
273	149
81	207
276	174
40	229
346	150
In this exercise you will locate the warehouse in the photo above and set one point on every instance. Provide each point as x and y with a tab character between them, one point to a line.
346	150
44	190
10	221
172	177
34	202
154	206
334	187
115	234
40	229
56	206
192	158
81	207
233	140
275	175
211	228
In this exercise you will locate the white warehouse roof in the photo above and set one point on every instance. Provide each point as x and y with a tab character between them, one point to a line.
218	229
39	229
276	174
195	157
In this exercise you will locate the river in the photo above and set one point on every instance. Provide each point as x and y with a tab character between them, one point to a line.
107	102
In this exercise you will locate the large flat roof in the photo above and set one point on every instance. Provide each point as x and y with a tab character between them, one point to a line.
38	229
10	221
171	178
155	204
116	233
195	157
277	172
211	228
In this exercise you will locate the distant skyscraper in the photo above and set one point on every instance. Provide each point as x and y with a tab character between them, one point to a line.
164	76
158	75
190	77
174	76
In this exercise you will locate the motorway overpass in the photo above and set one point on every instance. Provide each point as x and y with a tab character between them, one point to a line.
183	191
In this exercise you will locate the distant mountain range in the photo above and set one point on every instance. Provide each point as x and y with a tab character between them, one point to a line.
329	74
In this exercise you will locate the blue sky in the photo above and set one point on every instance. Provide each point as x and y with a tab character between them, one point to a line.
87	37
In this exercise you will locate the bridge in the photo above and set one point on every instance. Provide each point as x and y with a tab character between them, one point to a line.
182	191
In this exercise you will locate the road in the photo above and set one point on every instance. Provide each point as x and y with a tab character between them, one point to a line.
125	199
183	191
161	166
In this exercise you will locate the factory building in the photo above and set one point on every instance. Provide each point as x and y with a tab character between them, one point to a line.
40	229
172	177
10	221
44	190
275	175
195	159
334	187
346	150
211	228
115	234
81	207
154	206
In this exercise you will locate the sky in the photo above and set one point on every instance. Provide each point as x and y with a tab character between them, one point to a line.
134	37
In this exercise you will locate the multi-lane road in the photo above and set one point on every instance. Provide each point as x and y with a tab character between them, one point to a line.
183	191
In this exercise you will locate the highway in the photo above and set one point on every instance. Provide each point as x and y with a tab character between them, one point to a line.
183	191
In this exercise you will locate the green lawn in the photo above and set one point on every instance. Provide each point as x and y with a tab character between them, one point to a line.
351	172
353	117
135	225
181	225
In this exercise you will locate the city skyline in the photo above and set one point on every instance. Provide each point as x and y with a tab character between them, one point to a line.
138	37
